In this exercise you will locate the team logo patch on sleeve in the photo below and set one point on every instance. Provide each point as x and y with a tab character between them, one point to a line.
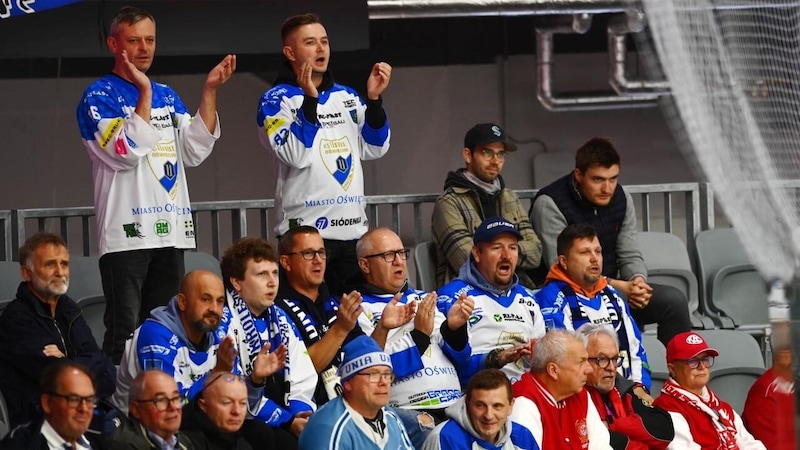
112	128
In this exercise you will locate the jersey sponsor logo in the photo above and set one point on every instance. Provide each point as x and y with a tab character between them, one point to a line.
350	103
132	230
295	222
110	130
188	226
474	319
339	200
323	222
162	228
158	209
337	156
274	124
158	349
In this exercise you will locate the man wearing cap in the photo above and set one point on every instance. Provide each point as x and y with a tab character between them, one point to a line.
358	418
701	419
474	193
505	317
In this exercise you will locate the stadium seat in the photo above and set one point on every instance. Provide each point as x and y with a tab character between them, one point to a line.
657	358
668	263
201	261
84	277
739	364
732	286
93	309
10	278
5	421
425	266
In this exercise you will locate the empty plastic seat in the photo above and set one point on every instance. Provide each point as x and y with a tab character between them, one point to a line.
425	265
10	278
201	261
739	364
657	358
84	277
93	309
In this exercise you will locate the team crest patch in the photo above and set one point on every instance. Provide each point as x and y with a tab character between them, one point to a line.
354	116
163	164
337	155
583	431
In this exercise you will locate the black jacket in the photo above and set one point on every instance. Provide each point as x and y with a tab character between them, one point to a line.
30	437
206	436
26	327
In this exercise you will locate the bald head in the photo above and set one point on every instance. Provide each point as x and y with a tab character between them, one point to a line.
224	401
373	250
200	303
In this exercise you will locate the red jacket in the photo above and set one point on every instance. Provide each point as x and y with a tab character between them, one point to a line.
619	413
769	412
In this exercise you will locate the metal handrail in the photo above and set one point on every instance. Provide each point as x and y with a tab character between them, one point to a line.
244	212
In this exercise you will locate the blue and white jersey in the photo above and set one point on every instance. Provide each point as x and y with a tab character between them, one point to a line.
337	426
298	379
141	196
161	343
424	380
500	319
319	175
564	308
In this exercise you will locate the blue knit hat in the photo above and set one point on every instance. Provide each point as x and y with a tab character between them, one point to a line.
360	353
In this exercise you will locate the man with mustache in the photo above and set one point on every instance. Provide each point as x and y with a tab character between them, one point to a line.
576	292
42	326
188	340
474	193
505	317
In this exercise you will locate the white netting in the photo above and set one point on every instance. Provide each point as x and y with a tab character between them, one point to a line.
734	71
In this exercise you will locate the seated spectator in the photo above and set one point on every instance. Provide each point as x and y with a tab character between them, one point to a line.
576	292
482	418
358	418
42	326
505	318
701	419
591	194
67	401
155	415
427	383
769	411
551	400
185	340
633	421
250	274
470	196
214	419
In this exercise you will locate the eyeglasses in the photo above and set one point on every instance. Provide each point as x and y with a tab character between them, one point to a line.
603	361
73	401
489	154
377	376
226	377
391	255
162	403
694	363
309	255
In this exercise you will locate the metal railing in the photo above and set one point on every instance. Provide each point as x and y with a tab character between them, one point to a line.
217	224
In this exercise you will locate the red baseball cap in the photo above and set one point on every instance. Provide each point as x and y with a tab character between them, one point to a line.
688	345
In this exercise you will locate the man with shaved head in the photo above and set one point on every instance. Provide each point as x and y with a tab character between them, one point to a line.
217	416
155	415
187	340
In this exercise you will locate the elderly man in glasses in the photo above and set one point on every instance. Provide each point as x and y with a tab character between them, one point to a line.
701	419
634	423
155	409
358	419
576	292
324	322
68	399
427	380
474	193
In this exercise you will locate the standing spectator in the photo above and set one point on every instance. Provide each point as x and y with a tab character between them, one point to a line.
769	411
590	194
482	418
358	420
43	325
250	274
576	293
551	400
701	419
319	132
632	419
155	409
140	138
471	195
504	318
67	401
427	382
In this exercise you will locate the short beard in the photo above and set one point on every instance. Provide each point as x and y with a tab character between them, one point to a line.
203	327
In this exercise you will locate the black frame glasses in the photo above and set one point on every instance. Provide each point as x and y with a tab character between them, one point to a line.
603	361
490	154
391	255
694	363
309	254
73	401
162	403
